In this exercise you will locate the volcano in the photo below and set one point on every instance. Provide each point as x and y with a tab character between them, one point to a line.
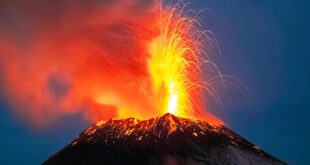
166	140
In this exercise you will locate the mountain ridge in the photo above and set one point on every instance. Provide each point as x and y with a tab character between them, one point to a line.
133	141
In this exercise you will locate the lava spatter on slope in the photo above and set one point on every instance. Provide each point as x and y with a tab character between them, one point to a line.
162	140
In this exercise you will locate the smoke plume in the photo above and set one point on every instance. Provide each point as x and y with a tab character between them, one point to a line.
63	57
102	59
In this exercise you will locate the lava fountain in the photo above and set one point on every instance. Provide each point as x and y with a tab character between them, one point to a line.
176	58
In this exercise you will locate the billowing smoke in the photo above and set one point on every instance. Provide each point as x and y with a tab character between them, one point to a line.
74	56
100	58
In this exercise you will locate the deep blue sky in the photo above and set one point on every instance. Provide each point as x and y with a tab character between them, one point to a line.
265	44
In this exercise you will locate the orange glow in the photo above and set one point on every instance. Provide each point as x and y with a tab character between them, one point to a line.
113	62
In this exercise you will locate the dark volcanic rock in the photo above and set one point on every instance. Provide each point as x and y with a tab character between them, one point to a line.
167	140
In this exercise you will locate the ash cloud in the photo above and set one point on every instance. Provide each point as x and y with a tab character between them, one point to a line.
65	56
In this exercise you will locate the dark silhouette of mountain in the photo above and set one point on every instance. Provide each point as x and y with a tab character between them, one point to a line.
166	140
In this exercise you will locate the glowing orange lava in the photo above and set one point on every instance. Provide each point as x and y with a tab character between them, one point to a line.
176	57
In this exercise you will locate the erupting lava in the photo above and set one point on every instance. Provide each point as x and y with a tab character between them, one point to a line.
175	65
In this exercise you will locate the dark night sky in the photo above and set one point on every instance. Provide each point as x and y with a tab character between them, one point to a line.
264	44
